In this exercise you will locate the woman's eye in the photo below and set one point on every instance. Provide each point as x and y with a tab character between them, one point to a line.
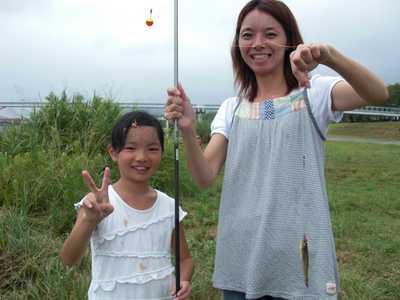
246	35
271	34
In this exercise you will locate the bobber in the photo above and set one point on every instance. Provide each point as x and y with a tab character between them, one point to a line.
149	21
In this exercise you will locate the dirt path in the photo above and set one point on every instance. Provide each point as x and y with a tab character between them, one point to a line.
362	140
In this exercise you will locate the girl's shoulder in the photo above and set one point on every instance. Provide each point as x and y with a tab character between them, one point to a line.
167	203
163	198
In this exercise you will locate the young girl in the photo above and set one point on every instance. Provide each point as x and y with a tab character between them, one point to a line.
130	225
271	139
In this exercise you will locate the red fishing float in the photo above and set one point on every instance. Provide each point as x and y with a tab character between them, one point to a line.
149	21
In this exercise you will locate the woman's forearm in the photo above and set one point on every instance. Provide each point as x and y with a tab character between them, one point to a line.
204	167
370	87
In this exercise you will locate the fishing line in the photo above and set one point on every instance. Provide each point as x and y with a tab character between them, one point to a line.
304	242
150	22
264	42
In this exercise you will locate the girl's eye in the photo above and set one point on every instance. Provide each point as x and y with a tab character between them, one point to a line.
130	148
271	34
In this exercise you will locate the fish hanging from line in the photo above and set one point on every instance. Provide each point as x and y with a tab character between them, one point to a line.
304	258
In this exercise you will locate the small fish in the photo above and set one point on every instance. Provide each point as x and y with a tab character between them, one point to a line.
304	257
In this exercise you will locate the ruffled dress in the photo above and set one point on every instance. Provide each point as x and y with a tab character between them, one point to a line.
131	257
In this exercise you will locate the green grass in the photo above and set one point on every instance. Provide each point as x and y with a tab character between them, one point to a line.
40	166
363	191
373	130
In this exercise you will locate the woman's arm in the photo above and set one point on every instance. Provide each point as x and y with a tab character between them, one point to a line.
362	87
204	168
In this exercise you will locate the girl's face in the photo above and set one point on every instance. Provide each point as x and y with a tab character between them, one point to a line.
141	155
262	42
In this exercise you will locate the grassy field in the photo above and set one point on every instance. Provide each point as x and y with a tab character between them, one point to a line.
363	190
373	130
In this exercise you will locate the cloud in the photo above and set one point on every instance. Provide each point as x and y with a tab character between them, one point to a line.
88	45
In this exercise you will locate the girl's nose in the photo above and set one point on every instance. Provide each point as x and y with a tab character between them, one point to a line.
140	156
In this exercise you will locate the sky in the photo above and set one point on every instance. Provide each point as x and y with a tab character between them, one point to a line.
105	46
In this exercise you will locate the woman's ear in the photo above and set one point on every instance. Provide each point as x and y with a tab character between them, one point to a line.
113	153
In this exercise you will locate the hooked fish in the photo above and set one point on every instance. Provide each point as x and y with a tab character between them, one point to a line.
304	257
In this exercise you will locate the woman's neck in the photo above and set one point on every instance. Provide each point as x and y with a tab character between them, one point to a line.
270	87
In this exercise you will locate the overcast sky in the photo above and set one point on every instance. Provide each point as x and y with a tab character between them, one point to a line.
105	46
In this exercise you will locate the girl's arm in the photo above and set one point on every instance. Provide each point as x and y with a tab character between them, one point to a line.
204	168
186	266
95	208
75	246
362	87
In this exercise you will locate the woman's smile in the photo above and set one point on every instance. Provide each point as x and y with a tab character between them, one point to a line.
261	57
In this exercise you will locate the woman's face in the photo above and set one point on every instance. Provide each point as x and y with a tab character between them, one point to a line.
262	43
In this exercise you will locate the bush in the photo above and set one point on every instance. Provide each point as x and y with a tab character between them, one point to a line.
41	160
203	128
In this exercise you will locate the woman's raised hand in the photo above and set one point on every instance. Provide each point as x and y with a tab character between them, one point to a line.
97	204
178	106
306	58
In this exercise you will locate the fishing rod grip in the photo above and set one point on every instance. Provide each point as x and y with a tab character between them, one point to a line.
176	183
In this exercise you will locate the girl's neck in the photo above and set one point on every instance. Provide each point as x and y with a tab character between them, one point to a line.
271	87
137	195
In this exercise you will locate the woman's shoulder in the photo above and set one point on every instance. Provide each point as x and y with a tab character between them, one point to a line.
223	119
229	105
324	82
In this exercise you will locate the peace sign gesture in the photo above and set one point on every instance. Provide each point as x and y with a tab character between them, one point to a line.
97	204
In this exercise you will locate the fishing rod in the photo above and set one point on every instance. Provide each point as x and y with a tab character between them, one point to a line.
176	153
150	22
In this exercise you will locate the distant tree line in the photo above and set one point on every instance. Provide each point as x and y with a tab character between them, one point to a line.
393	101
394	96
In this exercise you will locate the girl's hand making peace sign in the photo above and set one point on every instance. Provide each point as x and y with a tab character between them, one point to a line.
97	205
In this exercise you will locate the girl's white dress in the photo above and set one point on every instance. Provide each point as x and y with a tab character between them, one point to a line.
131	257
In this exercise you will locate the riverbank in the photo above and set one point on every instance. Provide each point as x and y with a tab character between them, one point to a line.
358	140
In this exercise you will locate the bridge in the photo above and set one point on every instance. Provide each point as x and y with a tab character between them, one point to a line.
393	113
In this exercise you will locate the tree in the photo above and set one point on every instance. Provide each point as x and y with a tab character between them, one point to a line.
394	96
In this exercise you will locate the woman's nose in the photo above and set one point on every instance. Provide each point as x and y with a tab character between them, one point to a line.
259	42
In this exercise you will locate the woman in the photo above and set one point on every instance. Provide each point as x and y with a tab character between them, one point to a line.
272	141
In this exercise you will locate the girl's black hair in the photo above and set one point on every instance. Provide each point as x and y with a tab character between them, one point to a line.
124	123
